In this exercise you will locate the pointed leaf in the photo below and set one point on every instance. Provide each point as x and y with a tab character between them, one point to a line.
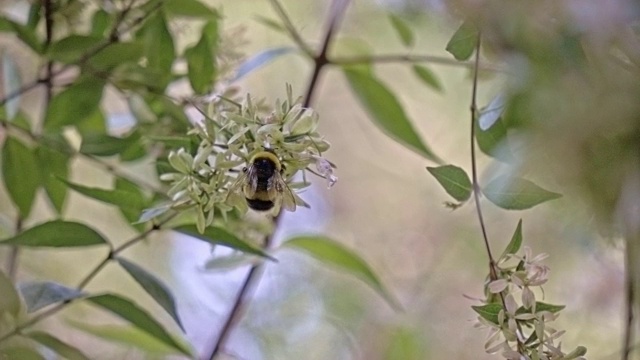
72	48
335	254
11	83
27	35
189	8
38	294
20	173
219	236
9	301
454	180
129	311
464	41
493	141
427	76
515	243
20	353
158	45
115	55
201	63
61	348
119	198
154	287
488	311
386	111
402	29
53	165
492	112
540	306
260	59
129	336
57	233
106	145
516	193
74	104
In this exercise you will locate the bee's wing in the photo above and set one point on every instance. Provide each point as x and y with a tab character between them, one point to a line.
288	198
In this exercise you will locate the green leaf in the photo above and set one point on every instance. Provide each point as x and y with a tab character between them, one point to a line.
515	243
492	112
38	294
540	306
120	198
115	55
516	193
53	165
61	348
132	214
335	254
260	59
189	8
129	336
20	353
107	145
9	301
100	22
488	312
74	104
201	63
402	29
11	83
386	111
154	287
406	344
72	48
158	45
427	76
454	180
20	173
94	123
464	41
57	233
27	35
219	236
493	142
129	311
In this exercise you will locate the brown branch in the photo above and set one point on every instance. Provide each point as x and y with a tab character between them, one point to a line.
254	275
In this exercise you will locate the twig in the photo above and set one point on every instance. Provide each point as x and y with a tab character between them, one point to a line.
14	253
401	58
474	176
255	273
295	35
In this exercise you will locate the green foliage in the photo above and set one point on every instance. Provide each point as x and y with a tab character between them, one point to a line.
20	173
334	254
74	104
40	294
219	236
403	30
154	287
454	180
516	242
516	193
463	42
57	233
386	111
59	347
9	301
427	76
129	311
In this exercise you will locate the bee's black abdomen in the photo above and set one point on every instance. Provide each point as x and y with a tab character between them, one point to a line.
260	205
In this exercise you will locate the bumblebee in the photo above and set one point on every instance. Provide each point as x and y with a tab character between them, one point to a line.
262	184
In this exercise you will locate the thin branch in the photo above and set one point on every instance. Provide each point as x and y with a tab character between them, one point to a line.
403	58
87	279
295	35
474	176
254	275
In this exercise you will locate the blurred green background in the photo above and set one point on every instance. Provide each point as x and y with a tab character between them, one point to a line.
385	206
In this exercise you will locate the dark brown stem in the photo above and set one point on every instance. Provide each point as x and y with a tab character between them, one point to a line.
254	275
14	253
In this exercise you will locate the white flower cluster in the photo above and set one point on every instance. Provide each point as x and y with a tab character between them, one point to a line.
521	331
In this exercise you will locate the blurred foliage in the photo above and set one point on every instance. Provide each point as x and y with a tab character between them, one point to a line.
565	116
